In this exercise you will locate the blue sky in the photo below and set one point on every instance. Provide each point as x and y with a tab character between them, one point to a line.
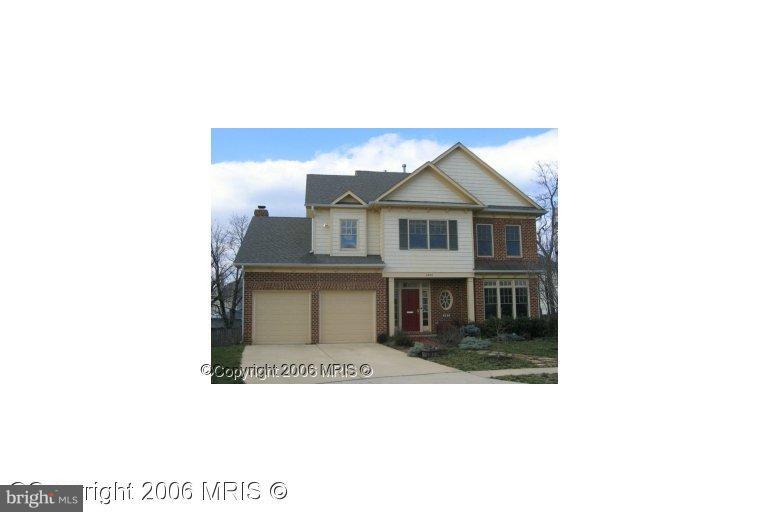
269	166
244	144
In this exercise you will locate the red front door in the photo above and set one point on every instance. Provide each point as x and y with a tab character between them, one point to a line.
410	310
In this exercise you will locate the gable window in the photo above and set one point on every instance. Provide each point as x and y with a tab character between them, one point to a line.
348	233
506	298
438	234
484	240
513	240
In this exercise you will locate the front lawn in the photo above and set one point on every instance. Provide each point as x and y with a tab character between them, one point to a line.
539	378
227	357
537	353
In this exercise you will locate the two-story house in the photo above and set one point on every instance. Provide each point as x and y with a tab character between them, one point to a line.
384	251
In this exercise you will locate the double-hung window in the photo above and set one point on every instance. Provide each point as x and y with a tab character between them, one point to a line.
348	234
429	234
506	298
513	240
417	234
484	236
438	234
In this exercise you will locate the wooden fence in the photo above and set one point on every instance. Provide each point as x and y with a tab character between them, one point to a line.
222	336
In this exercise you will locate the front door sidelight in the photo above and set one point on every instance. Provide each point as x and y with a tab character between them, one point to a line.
410	310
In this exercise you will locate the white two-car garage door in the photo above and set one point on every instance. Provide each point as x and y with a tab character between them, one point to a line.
348	317
282	317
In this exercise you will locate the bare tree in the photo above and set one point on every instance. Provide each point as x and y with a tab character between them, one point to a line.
226	279
547	234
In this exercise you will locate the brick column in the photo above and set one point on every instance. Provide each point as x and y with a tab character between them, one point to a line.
479	301
315	317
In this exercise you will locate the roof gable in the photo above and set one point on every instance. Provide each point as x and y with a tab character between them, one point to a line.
429	184
348	197
481	179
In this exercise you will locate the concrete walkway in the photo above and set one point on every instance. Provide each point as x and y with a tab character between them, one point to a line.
386	365
514	371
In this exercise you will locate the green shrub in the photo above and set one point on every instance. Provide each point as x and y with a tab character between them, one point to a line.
470	330
448	333
525	327
508	336
470	343
400	339
415	350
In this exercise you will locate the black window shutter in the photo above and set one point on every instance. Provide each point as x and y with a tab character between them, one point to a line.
403	234
453	236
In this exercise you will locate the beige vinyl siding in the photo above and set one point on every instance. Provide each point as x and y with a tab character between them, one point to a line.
478	181
322	235
428	186
358	214
347	317
422	260
281	317
374	231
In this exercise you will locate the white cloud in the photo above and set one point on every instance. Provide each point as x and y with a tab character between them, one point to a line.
279	184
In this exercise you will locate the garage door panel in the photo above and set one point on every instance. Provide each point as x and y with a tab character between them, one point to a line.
347	316
281	317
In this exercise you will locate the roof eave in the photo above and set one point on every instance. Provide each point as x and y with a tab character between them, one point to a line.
429	205
338	265
509	271
337	205
537	213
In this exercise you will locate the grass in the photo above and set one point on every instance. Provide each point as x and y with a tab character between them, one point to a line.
521	354
539	378
228	357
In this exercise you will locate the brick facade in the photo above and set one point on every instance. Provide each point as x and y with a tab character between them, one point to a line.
527	236
457	311
314	282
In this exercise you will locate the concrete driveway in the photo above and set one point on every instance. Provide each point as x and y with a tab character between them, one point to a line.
371	363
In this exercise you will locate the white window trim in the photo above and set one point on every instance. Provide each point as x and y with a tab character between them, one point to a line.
477	242
520	240
341	234
514	287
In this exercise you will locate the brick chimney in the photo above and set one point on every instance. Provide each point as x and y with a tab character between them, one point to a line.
261	211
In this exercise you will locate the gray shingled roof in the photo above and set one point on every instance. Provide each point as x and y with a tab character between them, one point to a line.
513	266
367	185
287	240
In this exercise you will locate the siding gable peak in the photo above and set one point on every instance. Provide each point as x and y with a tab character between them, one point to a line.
467	168
429	183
